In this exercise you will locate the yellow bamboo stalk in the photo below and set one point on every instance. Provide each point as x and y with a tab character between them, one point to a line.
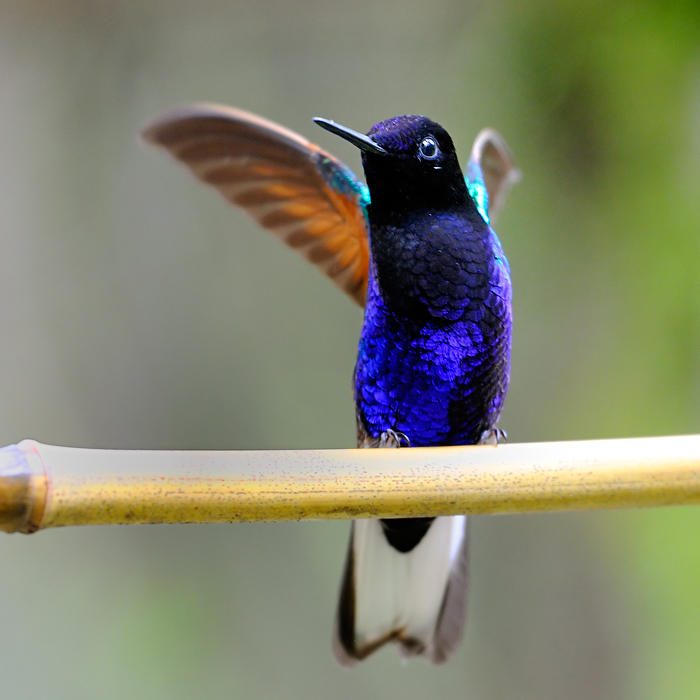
44	486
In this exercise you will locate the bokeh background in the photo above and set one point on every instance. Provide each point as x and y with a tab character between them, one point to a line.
141	311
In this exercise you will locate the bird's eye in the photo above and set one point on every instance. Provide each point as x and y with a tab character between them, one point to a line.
428	148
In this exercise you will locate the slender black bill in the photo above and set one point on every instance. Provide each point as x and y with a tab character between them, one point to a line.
355	137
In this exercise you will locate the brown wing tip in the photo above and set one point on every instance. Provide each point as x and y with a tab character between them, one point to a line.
187	120
151	133
160	130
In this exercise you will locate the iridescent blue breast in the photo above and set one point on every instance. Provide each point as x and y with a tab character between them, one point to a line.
439	375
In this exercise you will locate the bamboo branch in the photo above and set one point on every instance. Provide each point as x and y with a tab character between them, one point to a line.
44	486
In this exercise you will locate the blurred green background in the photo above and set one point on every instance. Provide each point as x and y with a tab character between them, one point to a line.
141	311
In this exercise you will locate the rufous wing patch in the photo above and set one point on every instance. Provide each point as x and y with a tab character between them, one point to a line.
293	188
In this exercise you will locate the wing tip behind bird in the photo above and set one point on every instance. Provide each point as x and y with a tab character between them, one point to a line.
491	155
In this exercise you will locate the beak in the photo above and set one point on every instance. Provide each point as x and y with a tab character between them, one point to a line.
355	137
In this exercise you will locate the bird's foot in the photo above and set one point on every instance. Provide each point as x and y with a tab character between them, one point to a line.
393	438
493	436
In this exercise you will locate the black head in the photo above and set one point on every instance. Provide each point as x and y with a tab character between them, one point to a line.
409	162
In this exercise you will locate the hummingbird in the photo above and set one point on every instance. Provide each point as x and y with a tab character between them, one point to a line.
415	247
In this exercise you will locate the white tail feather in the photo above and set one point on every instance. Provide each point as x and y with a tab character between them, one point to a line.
402	596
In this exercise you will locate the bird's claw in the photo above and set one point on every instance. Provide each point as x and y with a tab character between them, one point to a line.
393	438
493	436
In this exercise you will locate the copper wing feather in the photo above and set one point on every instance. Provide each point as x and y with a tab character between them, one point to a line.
301	193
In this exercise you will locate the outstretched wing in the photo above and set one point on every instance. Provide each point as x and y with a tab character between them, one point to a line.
305	196
490	172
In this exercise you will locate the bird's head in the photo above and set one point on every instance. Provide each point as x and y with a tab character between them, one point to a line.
408	161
